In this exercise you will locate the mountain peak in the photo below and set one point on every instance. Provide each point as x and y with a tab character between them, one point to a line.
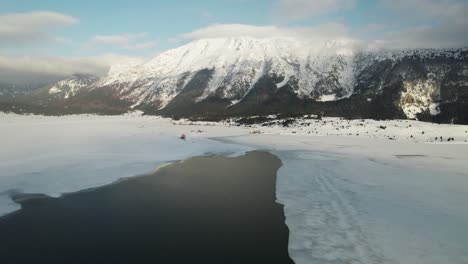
236	61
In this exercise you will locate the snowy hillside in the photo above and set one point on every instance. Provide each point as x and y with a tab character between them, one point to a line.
238	64
70	86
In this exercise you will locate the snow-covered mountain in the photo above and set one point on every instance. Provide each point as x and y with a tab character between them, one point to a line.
69	86
237	64
249	76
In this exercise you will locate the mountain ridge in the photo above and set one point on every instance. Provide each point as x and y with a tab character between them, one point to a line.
248	76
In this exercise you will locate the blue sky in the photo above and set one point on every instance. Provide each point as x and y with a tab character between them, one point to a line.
98	33
163	21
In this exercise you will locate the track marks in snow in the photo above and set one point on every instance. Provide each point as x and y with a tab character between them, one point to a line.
324	222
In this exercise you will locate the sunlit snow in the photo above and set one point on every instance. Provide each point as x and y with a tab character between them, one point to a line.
359	191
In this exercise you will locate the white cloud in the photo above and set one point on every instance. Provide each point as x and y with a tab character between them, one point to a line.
32	68
333	36
324	31
119	39
449	34
125	41
26	28
300	9
147	45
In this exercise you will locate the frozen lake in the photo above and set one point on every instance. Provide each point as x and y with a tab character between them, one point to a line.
347	199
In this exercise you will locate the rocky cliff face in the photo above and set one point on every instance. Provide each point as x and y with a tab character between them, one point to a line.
216	78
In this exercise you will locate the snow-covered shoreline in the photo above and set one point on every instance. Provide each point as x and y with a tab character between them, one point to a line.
350	196
56	155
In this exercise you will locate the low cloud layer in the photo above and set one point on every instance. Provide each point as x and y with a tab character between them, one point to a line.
33	27
137	41
324	31
34	68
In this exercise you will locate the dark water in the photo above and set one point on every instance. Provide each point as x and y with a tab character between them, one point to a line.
203	210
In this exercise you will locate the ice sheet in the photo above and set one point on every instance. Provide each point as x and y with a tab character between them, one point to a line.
348	199
354	200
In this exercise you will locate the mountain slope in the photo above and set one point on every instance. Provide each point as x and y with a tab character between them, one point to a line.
69	86
237	63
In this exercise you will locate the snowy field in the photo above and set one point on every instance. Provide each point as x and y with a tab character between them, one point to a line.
354	192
